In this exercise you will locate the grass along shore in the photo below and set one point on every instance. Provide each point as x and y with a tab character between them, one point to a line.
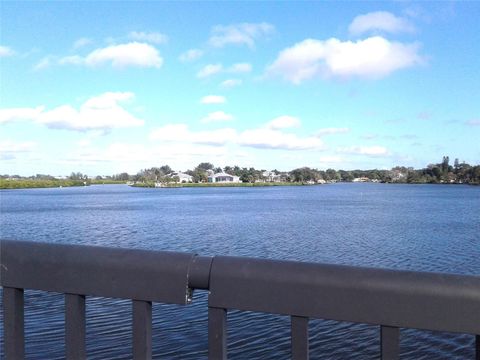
230	184
32	183
27	183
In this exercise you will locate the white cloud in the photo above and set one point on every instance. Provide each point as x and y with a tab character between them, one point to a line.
380	21
70	60
131	54
102	112
212	69
43	63
213	99
239	34
191	55
150	37
283	122
266	138
19	114
240	68
119	56
94	134
10	149
209	70
81	43
121	156
373	57
217	116
270	136
331	131
229	83
131	157
6	51
84	142
181	133
12	146
365	150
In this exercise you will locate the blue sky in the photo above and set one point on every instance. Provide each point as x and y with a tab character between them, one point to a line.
107	87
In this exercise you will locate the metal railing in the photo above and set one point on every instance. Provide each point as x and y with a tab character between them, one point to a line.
390	299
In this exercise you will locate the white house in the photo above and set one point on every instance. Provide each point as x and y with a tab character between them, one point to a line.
222	177
183	178
361	179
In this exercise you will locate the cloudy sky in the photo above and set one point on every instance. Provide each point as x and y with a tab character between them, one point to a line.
108	87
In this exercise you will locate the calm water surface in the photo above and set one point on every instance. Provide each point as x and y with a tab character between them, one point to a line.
414	227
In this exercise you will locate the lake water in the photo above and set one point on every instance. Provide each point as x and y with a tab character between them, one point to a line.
413	227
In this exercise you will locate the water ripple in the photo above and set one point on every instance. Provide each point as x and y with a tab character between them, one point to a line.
427	228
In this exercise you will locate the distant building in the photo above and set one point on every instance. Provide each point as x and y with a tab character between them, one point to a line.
361	179
223	178
183	178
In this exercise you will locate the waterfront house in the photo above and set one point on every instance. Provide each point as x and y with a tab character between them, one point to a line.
361	179
182	177
222	177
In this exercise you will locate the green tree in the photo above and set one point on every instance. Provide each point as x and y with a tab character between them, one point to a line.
165	169
456	165
77	176
445	165
122	177
205	166
332	175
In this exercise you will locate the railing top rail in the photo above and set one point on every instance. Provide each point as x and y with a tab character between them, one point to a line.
394	298
410	299
159	276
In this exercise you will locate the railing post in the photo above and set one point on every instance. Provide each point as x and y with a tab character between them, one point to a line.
13	322
390	342
299	328
75	346
477	347
217	333
142	329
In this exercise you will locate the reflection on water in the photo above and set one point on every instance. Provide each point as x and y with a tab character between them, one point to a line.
414	227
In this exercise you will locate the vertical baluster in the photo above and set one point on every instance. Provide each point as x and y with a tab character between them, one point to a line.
299	329
142	329
477	347
390	342
217	333
13	322
75	346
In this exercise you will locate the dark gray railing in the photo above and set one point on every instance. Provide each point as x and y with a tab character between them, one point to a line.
390	299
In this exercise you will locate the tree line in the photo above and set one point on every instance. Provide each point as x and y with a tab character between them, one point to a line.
442	172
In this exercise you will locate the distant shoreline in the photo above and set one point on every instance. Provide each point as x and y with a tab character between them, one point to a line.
226	184
267	184
37	184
